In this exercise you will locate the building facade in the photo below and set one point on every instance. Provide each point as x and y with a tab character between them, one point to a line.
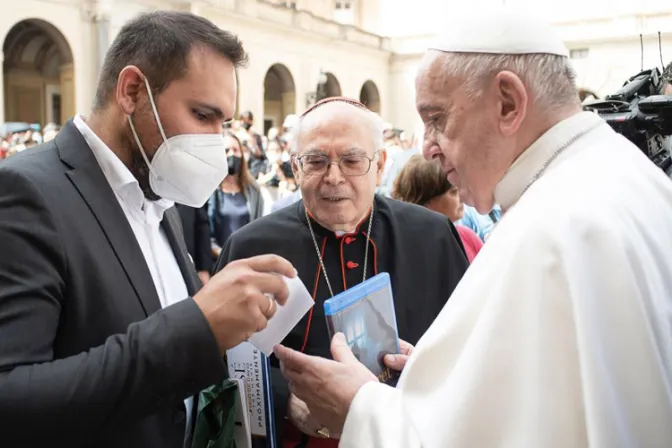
603	37
305	49
53	51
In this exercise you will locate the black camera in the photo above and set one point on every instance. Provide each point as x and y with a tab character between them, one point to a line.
640	113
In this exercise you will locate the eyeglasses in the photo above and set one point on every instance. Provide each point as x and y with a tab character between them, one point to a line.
353	165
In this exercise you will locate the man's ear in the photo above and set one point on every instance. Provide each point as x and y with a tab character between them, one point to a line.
294	162
380	166
512	100
130	83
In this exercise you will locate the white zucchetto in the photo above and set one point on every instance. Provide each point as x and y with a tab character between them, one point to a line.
500	30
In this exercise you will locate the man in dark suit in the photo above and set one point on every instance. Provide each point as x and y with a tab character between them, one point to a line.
196	229
104	336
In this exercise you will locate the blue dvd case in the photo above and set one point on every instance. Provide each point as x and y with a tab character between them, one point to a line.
365	315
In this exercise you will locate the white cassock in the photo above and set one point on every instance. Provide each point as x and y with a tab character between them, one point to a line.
560	333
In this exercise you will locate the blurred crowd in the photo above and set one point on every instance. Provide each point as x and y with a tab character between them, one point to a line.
261	180
17	137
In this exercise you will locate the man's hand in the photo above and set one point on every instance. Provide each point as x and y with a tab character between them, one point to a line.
234	301
204	276
300	416
327	387
398	362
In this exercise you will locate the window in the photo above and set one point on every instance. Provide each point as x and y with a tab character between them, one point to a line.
56	108
344	12
580	53
290	5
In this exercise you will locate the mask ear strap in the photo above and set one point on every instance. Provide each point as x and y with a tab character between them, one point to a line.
137	141
156	113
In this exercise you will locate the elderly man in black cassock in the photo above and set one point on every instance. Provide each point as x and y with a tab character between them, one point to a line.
342	233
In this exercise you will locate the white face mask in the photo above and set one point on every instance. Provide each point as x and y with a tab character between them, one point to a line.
186	168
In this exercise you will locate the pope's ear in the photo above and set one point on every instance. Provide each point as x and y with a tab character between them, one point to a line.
512	101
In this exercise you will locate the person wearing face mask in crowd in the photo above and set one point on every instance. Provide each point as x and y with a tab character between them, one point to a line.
238	199
105	336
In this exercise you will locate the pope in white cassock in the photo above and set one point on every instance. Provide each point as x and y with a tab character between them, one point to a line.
560	333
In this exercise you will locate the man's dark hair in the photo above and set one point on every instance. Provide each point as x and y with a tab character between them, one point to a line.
247	114
159	43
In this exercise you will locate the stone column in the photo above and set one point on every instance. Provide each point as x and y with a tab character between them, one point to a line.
101	20
67	92
370	15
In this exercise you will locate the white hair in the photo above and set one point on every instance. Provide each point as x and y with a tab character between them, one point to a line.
376	122
550	79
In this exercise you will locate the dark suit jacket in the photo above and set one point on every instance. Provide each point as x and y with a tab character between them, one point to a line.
196	227
87	355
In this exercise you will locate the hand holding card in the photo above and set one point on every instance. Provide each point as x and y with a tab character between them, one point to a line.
285	318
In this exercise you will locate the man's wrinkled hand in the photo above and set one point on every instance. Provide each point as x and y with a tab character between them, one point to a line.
301	417
398	361
327	387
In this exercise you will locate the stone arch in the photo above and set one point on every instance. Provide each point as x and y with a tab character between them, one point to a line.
279	96
332	87
38	71
369	95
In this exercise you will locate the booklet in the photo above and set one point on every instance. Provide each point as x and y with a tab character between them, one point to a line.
365	315
249	365
242	433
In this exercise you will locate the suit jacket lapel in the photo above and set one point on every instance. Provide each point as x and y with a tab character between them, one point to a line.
90	181
172	226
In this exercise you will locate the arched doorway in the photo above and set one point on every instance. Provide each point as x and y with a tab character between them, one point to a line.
279	96
332	87
370	97
39	74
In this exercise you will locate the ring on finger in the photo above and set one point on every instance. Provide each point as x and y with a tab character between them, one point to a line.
270	305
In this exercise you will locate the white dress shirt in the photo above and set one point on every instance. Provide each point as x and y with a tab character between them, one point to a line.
145	217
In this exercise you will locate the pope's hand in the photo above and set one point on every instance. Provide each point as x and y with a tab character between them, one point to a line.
398	362
327	387
301	417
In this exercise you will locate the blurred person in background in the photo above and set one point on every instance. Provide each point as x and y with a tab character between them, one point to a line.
238	199
196	230
481	224
424	183
288	126
50	131
254	142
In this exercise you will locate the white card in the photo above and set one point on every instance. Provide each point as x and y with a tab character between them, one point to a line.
285	318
